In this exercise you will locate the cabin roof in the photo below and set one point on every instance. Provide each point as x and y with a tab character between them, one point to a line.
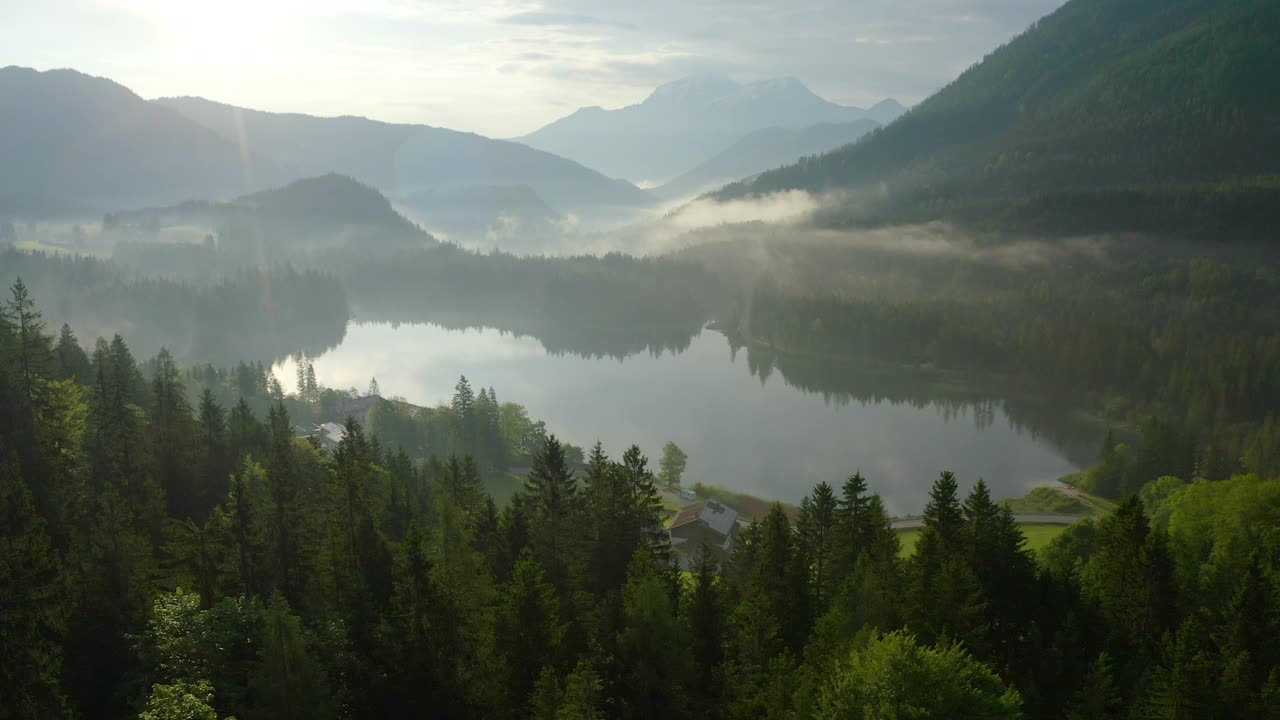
713	513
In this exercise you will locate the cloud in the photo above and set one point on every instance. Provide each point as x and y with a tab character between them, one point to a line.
542	17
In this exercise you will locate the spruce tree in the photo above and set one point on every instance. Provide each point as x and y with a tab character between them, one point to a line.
556	514
818	532
528	630
70	358
288	682
32	621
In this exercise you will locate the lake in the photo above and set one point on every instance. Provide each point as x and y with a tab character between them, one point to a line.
743	425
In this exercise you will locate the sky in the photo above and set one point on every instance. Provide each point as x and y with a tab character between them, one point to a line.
503	68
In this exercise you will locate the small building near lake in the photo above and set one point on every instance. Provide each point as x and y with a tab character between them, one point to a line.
709	522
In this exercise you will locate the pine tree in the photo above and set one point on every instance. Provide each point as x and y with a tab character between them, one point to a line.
461	480
358	559
244	512
528	629
71	360
705	619
213	453
245	435
114	567
31	623
34	349
645	511
425	640
1097	698
583	696
1131	576
288	682
818	530
653	650
852	518
556	515
944	593
201	555
779	578
283	519
172	439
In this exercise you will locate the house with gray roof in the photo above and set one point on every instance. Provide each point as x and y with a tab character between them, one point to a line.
709	522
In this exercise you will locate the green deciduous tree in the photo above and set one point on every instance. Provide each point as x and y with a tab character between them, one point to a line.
671	466
892	677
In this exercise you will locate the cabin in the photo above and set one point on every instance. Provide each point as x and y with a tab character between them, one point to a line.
329	434
709	522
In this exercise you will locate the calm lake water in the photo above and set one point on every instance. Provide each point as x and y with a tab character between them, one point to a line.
765	436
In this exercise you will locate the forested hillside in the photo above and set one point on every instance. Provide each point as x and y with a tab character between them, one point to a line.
256	314
303	218
72	144
165	560
1104	116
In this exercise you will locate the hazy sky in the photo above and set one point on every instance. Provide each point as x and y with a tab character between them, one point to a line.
502	67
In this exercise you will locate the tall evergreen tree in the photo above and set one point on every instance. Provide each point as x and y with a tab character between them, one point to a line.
32	619
528	630
288	681
556	514
1131	577
71	360
705	619
818	527
653	649
213	453
173	438
283	519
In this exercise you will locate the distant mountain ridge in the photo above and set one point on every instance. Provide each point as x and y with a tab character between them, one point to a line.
760	151
688	121
71	142
1106	115
400	158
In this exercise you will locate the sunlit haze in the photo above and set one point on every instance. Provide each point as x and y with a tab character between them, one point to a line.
502	67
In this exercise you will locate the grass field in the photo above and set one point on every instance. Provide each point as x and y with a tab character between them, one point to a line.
502	487
1038	535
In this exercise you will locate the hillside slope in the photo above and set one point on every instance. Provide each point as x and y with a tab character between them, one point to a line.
73	143
1105	115
309	215
406	158
763	150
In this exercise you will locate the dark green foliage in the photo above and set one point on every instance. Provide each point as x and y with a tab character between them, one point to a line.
1131	576
290	581
1149	115
557	514
287	680
528	630
33	615
653	648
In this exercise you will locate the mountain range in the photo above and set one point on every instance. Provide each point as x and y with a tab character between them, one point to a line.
688	121
400	159
79	145
1144	115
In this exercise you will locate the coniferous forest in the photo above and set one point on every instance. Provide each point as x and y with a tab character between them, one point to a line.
165	558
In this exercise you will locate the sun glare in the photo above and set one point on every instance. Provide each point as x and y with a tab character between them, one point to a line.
223	33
